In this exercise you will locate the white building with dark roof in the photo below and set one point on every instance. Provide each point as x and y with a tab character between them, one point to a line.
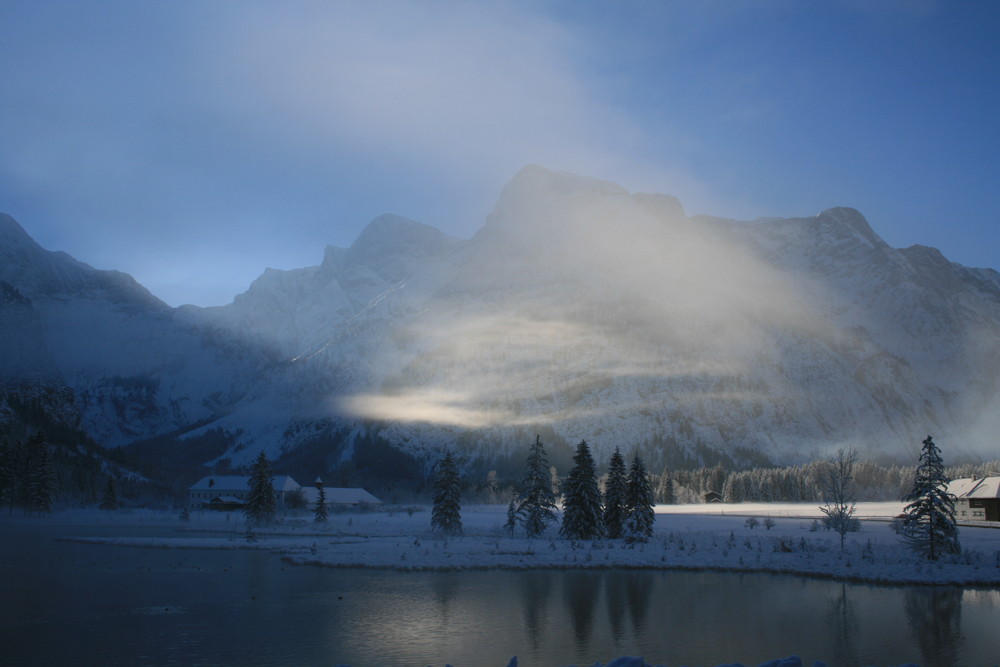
230	492
976	499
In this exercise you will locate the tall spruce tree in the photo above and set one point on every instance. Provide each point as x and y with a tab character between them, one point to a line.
262	503
447	513
615	497
929	523
537	506
582	516
639	523
321	512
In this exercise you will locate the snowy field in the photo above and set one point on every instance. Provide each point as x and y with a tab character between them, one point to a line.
686	537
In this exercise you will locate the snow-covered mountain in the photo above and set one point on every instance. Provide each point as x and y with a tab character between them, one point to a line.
579	311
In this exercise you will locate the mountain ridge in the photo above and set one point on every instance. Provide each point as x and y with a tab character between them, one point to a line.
578	310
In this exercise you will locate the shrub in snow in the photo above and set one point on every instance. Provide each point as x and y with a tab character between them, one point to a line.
751	523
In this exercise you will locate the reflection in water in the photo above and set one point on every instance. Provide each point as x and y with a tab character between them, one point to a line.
247	607
935	616
845	625
639	593
444	592
581	591
627	591
614	594
536	587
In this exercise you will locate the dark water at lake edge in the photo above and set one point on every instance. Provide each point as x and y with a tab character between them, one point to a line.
82	604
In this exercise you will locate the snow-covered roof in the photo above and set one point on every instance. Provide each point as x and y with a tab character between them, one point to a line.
222	483
229	500
982	487
340	496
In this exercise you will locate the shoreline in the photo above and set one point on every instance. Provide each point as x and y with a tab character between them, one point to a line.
683	541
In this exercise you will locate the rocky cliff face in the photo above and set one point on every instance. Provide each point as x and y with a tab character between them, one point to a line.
579	310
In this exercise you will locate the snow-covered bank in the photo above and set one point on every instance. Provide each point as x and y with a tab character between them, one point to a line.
791	661
695	537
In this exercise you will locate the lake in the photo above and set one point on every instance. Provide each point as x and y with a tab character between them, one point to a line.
81	604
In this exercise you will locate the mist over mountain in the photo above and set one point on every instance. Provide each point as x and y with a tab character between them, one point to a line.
578	310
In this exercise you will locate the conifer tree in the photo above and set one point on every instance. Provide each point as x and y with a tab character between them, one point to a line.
447	513
512	509
262	503
929	524
537	506
581	518
615	497
321	512
110	500
639	524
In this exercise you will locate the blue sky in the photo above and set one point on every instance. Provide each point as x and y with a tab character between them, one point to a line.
193	144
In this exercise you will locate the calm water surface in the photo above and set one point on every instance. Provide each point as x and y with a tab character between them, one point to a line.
80	604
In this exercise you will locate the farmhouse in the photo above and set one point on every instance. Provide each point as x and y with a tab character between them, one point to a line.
229	492
976	499
341	497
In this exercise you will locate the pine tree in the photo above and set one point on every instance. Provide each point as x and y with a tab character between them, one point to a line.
639	524
39	478
321	512
581	498
447	513
929	524
110	500
262	503
615	497
537	506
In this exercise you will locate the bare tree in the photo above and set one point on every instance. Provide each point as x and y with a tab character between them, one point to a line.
837	478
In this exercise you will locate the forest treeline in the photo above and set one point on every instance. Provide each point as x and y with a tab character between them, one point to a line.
799	483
